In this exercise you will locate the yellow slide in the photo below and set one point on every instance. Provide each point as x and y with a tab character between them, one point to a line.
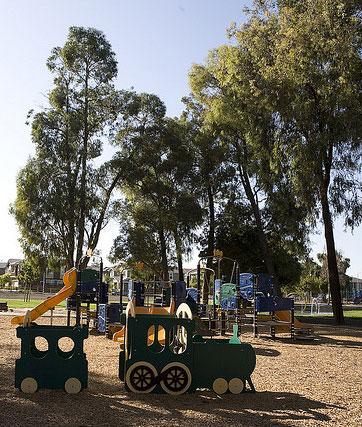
284	316
70	284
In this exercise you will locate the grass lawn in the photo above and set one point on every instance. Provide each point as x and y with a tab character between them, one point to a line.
350	314
18	303
353	314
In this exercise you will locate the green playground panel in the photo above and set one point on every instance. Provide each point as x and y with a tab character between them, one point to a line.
227	290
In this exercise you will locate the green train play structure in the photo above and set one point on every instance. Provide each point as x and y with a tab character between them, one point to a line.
163	354
160	352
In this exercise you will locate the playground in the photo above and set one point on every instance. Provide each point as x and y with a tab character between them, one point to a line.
297	382
181	217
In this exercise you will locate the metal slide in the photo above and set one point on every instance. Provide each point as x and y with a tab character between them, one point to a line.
70	284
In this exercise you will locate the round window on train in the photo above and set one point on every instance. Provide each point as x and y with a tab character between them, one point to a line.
40	347
66	344
41	344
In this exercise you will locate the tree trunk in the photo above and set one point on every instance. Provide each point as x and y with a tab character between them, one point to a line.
94	237
163	245
71	195
210	244
179	255
83	178
267	255
333	276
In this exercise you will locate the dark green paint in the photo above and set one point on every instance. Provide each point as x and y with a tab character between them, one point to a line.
53	367
207	359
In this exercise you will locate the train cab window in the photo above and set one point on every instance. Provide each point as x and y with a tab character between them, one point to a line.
156	338
178	339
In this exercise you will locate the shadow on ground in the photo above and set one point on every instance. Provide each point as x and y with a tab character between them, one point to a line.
107	403
323	336
270	352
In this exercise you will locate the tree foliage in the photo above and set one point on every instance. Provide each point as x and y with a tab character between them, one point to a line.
232	90
309	53
62	194
158	168
5	279
269	143
30	273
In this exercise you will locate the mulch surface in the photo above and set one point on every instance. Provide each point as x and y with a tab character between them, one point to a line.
298	384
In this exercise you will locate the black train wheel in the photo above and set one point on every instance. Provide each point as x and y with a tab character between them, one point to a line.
175	378
141	377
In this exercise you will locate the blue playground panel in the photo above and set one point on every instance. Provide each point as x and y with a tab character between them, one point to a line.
229	303
271	304
102	313
192	293
247	285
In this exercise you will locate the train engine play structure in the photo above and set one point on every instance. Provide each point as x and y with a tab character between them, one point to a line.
162	354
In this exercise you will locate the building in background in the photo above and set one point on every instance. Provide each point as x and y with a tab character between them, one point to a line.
13	267
353	289
3	267
52	280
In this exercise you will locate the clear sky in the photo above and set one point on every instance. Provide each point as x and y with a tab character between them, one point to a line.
156	42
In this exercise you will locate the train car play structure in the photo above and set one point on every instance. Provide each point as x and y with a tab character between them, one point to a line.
52	367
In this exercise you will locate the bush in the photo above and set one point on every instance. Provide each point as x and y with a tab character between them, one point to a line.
5	279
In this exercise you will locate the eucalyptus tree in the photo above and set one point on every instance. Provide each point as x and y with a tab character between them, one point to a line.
231	89
211	174
62	195
310	54
157	168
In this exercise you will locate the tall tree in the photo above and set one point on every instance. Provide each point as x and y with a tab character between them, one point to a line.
211	175
62	196
228	87
310	53
157	164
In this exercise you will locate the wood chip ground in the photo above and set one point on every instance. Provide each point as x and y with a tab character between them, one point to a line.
315	383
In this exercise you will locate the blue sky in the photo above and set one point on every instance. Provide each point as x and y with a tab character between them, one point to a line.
156	42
